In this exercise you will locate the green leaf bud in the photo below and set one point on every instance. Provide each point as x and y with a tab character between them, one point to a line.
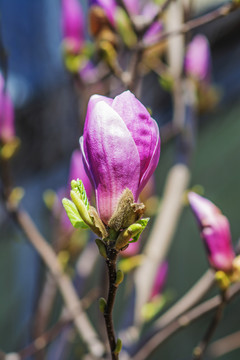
83	211
73	214
102	304
118	347
101	248
119	277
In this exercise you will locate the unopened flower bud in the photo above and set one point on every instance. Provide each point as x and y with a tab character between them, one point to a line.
215	232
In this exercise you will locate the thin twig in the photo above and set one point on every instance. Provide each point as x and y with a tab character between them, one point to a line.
202	346
72	302
146	348
191	298
112	272
192	24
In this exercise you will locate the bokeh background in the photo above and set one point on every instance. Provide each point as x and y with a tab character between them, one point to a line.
47	109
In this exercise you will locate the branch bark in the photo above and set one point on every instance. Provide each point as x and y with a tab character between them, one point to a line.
71	300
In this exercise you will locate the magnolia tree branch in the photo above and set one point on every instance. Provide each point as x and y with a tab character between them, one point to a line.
225	345
71	300
112	274
192	24
202	346
191	298
146	348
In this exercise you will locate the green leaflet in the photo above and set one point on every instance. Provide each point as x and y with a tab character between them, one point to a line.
142	222
78	187
73	214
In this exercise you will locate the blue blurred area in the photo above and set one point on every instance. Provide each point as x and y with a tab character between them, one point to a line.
32	37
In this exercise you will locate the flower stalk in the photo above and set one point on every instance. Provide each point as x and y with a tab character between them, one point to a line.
112	276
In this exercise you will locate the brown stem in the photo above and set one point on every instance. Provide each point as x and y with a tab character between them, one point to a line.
72	302
112	272
202	346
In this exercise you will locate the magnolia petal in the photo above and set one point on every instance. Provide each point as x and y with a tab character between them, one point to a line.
154	159
112	157
141	126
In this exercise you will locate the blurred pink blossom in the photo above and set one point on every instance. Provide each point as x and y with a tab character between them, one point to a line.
7	128
215	231
198	58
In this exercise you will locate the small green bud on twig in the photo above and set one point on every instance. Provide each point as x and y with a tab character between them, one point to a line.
102	304
119	277
118	347
101	248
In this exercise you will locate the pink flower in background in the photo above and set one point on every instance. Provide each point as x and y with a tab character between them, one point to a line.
198	58
154	33
215	231
77	171
7	128
132	249
72	25
160	279
121	148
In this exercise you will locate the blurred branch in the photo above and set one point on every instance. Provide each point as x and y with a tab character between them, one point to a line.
146	348
72	302
200	349
191	298
192	24
161	235
47	337
225	345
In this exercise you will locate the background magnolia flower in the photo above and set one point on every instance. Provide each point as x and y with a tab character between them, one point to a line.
77	171
72	25
160	279
198	58
121	148
215	232
7	128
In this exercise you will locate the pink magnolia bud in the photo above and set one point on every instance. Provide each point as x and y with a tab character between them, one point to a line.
215	231
109	7
198	58
121	148
72	25
7	128
160	279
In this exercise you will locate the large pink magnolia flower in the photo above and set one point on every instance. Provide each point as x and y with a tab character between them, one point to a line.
121	148
198	58
7	128
72	25
215	231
